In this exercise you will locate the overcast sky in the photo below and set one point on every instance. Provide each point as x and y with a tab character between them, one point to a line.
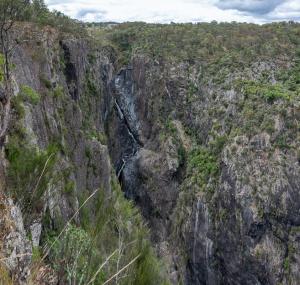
165	11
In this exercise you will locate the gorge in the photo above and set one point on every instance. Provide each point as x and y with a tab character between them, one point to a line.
169	152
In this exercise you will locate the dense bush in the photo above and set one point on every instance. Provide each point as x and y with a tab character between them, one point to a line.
71	255
29	172
270	92
111	239
28	94
202	165
224	44
38	12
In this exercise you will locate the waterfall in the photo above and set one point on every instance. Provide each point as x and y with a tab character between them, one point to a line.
121	169
124	106
196	229
208	246
120	113
201	239
208	242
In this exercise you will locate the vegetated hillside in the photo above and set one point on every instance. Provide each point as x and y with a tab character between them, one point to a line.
198	125
214	162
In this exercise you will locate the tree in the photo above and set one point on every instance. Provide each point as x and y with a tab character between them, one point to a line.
40	11
10	12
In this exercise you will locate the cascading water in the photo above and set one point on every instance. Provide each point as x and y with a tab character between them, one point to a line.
196	229
202	249
127	130
131	137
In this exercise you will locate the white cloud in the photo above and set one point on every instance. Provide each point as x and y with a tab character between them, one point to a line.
289	10
165	11
257	7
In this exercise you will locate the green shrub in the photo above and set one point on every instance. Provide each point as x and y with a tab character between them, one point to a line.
88	152
90	86
217	144
46	82
107	223
36	254
71	254
202	164
69	187
181	152
274	92
171	128
18	106
99	136
58	92
148	268
286	264
29	172
29	95
270	92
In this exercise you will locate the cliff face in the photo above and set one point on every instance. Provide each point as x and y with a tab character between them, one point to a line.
227	212
64	217
55	106
213	165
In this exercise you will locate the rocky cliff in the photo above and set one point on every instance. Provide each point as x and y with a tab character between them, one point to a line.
64	218
206	148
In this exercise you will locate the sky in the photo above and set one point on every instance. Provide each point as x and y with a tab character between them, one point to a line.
166	11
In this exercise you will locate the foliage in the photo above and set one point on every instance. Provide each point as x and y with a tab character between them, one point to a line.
58	92
39	10
69	187
99	136
148	268
29	171
40	14
90	86
18	106
217	144
270	92
46	82
11	11
72	253
202	165
286	264
170	127
30	95
5	278
226	45
109	225
291	76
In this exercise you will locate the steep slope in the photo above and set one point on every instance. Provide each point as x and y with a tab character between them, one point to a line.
214	162
63	217
197	124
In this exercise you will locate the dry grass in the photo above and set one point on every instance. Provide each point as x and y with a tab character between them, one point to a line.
5	278
42	275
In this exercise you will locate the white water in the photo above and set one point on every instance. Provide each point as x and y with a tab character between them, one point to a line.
120	113
202	209
122	117
196	229
121	169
